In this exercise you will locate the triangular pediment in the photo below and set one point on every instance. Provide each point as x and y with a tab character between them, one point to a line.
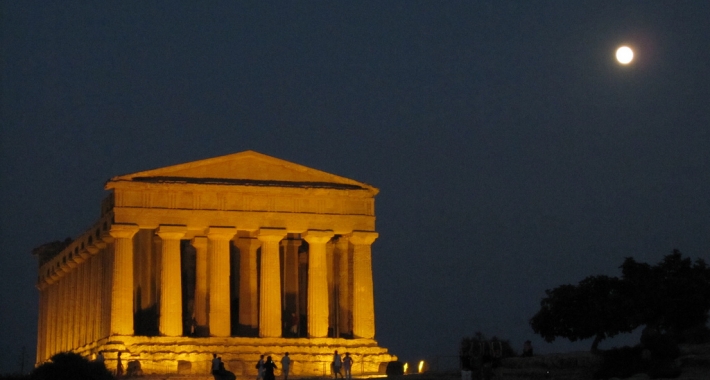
246	168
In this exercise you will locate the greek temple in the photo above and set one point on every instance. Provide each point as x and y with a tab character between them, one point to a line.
238	255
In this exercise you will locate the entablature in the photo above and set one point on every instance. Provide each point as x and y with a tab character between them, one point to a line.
198	221
87	244
244	198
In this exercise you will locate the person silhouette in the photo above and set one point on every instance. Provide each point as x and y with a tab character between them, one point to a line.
285	365
119	366
348	365
269	367
337	363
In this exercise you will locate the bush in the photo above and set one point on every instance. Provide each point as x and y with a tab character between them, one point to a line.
71	366
662	346
664	370
695	335
655	357
620	362
395	369
473	344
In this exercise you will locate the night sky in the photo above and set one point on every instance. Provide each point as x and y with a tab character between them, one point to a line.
512	152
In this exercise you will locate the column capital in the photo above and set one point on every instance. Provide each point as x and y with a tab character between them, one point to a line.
221	233
199	242
54	275
123	231
171	232
342	242
318	236
363	237
271	234
92	249
295	243
102	240
107	238
247	243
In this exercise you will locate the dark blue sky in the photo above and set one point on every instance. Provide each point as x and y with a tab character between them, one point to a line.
512	152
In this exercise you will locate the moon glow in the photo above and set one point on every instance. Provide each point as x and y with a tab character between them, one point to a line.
624	55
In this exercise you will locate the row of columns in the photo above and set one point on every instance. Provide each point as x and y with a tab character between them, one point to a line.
93	297
73	307
212	288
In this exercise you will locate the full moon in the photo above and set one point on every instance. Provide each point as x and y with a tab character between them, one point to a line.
624	55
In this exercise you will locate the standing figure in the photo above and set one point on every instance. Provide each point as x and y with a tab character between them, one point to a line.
285	365
100	358
337	363
223	373
216	365
260	368
119	366
269	367
98	367
527	349
348	365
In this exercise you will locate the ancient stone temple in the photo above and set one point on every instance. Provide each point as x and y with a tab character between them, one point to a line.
238	255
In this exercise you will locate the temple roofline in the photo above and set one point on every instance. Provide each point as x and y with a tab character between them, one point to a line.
245	182
248	168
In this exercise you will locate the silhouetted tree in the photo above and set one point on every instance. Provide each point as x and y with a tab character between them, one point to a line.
672	296
595	308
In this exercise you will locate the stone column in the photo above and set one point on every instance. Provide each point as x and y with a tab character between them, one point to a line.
70	310
60	307
79	307
41	333
270	284
170	280
51	321
317	283
50	347
343	284
62	312
74	309
58	318
332	278
200	244
145	268
47	323
218	239
86	302
48	319
95	297
76	334
248	287
302	290
91	301
66	309
121	322
290	275
363	296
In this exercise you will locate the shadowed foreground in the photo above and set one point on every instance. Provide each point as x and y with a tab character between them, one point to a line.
694	362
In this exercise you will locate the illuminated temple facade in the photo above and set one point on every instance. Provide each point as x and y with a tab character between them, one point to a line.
238	255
